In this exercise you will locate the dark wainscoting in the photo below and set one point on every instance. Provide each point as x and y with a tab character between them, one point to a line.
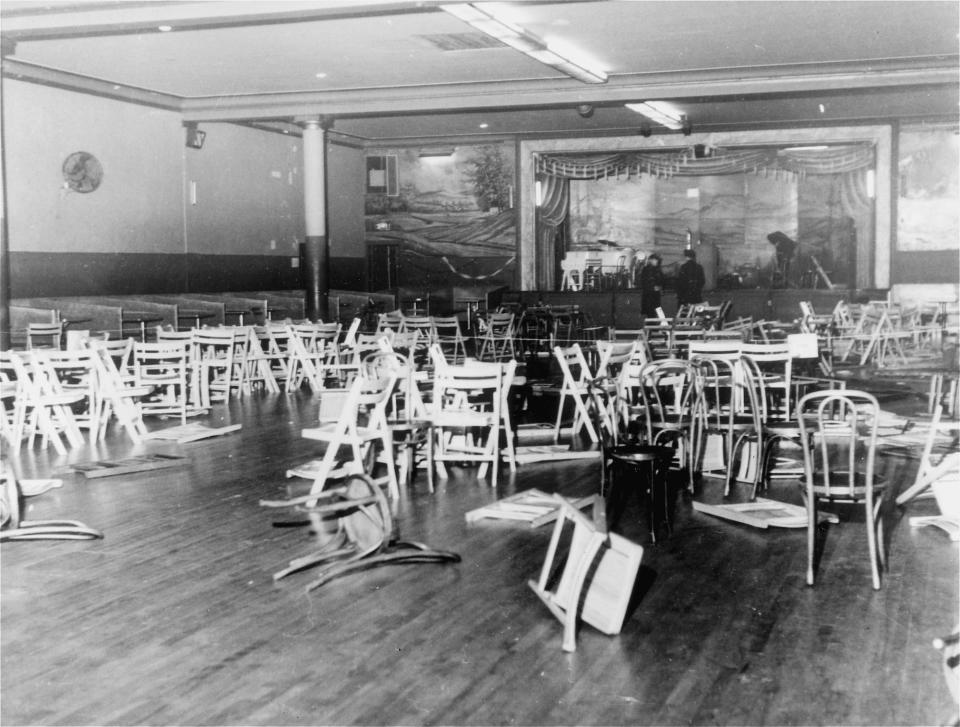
73	274
348	273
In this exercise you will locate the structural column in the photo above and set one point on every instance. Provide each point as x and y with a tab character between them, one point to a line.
316	254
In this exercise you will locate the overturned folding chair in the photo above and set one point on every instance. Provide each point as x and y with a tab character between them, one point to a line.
599	572
366	535
14	527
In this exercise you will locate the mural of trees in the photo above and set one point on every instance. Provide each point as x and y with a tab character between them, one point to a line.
491	174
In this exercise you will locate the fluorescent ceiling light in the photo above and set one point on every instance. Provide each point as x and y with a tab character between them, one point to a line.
487	21
438	152
662	112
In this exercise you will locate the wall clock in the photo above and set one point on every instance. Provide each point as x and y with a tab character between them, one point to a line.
82	172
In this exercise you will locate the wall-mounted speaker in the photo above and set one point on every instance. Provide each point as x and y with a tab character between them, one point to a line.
195	137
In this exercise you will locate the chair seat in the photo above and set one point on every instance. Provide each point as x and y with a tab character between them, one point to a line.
140	390
67	397
463	418
782	428
842	492
325	433
739	423
641	453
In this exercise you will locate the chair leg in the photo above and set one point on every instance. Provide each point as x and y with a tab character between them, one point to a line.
811	535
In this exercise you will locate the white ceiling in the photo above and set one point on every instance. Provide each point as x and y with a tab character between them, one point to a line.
729	65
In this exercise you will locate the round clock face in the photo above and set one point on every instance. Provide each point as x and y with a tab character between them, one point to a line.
82	172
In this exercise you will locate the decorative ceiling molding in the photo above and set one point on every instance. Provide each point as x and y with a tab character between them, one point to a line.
554	92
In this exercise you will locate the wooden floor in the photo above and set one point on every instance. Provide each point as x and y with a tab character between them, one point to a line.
173	618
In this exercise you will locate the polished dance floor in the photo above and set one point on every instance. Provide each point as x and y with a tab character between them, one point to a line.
173	617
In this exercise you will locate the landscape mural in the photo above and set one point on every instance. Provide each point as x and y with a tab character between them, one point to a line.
449	223
929	170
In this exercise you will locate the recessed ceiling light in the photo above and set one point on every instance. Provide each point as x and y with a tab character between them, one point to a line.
164	28
822	108
321	74
484	125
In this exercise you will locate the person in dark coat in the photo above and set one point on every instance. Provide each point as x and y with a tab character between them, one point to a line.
690	280
651	285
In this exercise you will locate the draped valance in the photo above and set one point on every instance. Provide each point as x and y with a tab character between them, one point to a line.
686	163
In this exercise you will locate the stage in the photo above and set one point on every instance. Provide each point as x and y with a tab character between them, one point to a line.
621	308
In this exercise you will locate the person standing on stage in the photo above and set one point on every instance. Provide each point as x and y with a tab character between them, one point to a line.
690	280
651	285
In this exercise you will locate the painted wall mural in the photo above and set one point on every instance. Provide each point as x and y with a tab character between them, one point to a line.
435	223
929	169
823	214
734	212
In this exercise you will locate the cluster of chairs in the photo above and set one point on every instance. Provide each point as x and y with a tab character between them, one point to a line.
395	414
611	269
728	387
878	333
55	393
737	404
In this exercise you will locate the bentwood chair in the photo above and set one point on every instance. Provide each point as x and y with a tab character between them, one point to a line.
775	362
737	415
669	407
838	432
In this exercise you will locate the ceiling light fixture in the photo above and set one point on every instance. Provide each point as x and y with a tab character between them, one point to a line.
446	151
662	112
164	28
488	21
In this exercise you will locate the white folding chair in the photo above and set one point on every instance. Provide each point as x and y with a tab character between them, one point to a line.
37	409
120	397
468	415
164	366
575	386
497	339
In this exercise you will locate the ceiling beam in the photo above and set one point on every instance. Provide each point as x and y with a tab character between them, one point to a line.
557	92
20	71
124	18
623	88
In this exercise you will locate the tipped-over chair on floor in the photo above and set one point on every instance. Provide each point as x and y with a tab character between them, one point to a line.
597	574
14	527
366	533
